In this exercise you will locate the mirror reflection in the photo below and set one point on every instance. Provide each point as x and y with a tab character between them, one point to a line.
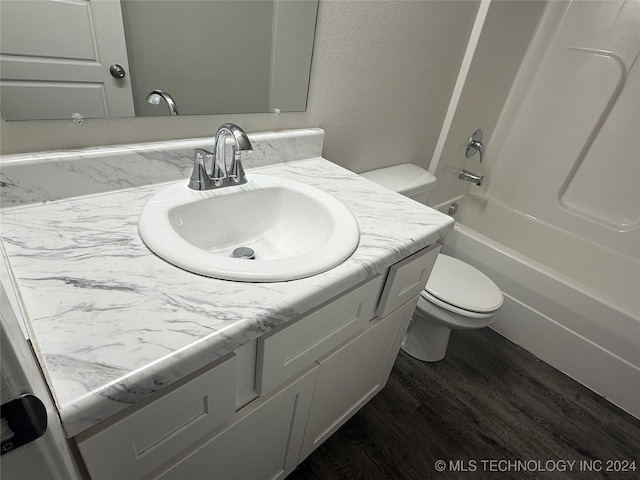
105	58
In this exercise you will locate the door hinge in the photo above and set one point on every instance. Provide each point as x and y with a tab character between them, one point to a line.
23	420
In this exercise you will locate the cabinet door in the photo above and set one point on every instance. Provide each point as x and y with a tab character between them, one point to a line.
262	443
135	445
350	376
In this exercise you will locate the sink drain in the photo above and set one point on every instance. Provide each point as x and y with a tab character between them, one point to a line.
244	252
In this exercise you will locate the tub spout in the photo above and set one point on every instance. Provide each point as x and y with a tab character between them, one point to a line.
471	177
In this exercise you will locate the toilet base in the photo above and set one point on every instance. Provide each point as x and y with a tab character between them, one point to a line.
426	341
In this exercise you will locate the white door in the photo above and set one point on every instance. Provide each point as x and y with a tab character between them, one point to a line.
49	456
56	57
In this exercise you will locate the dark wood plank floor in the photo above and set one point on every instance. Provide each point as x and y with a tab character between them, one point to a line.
488	400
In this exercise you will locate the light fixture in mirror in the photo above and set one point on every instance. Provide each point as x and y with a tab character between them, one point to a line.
213	56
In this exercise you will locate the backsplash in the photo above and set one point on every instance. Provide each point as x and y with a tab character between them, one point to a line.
46	176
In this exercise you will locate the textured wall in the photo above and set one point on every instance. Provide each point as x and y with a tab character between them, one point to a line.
381	79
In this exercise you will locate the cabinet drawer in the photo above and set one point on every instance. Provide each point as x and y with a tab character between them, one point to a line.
407	279
144	439
283	353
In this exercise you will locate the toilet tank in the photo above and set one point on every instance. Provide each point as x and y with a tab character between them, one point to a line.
407	179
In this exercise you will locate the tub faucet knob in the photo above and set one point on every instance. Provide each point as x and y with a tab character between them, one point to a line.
475	145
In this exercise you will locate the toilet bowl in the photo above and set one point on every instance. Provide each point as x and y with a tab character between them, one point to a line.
457	295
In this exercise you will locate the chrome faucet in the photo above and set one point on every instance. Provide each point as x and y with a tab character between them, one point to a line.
155	96
471	177
220	176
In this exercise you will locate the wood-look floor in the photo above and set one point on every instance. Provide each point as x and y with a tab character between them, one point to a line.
488	400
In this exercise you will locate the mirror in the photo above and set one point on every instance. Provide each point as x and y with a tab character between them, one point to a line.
102	58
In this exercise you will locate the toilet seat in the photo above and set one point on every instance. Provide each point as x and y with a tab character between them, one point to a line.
462	289
435	303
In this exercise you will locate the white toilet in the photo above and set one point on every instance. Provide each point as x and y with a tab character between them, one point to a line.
457	295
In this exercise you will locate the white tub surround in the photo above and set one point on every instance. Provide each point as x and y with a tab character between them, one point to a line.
580	316
556	223
608	274
112	323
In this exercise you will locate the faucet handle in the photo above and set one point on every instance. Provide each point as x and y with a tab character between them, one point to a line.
236	171
475	145
199	177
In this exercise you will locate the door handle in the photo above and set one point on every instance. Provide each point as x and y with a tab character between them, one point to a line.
117	71
23	420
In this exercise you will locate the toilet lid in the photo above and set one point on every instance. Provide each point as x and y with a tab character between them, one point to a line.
461	285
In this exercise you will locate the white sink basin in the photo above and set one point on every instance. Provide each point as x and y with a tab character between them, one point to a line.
295	230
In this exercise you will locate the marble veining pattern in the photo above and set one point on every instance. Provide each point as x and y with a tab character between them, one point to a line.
112	323
46	176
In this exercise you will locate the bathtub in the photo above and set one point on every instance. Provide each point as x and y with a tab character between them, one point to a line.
572	303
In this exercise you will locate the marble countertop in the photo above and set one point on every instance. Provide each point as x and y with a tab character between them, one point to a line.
112	323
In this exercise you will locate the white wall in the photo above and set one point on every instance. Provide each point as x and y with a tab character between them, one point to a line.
381	78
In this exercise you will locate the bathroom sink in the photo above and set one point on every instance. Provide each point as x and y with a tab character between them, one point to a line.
293	230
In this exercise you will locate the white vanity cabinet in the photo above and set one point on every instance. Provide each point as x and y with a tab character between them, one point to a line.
349	377
133	444
311	376
192	432
352	374
283	352
261	442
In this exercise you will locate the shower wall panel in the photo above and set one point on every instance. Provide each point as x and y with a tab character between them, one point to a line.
568	151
